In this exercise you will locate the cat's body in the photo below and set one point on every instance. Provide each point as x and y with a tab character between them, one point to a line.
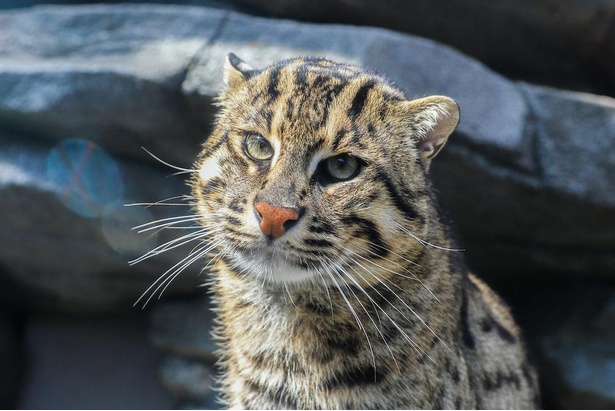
335	278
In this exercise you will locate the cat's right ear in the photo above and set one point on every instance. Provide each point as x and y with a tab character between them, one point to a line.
236	72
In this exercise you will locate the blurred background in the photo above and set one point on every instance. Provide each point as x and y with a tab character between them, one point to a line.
85	88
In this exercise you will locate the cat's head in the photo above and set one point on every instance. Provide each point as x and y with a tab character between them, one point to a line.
317	170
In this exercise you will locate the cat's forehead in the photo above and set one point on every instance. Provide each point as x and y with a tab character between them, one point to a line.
319	77
310	99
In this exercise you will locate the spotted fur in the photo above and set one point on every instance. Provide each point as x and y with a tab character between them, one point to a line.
363	302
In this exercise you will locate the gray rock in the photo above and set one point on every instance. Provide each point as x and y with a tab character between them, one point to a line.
182	330
569	43
108	74
67	237
91	362
552	218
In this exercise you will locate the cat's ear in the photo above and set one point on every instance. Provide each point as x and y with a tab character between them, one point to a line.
236	72
433	119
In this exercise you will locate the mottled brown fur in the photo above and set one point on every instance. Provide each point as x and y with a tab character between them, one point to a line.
363	302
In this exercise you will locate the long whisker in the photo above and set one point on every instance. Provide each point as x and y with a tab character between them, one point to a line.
413	276
400	299
412	343
181	169
175	243
165	202
354	314
166	222
426	243
172	272
197	256
341	270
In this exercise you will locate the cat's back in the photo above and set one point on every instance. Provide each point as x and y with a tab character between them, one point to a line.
500	375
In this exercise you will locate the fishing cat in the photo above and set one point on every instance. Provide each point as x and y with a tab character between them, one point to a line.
336	280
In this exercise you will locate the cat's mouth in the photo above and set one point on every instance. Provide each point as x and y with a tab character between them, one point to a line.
276	263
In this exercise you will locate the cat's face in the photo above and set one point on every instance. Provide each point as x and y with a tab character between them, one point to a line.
317	170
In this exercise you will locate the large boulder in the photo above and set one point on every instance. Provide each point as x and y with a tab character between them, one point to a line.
67	233
569	43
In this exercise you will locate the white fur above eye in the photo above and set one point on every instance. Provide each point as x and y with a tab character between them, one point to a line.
209	169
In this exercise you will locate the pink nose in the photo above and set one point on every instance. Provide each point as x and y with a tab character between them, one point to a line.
274	218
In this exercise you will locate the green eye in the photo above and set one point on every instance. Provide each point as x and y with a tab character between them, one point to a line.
342	167
257	147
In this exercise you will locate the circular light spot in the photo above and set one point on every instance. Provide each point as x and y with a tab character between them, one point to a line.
88	179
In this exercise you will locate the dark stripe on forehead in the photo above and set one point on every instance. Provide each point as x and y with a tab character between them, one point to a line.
338	138
272	85
358	102
301	74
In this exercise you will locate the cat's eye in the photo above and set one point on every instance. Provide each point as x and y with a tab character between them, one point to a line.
257	147
342	167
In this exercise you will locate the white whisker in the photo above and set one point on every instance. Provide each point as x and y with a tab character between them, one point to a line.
400	299
168	276
172	244
181	169
413	276
165	202
376	307
426	243
354	314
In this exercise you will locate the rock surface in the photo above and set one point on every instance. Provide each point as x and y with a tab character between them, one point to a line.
569	43
91	362
67	234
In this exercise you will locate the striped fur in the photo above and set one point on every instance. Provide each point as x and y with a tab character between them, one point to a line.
363	303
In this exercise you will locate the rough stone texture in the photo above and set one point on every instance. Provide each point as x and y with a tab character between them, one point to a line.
108	74
570	43
553	218
91	363
56	257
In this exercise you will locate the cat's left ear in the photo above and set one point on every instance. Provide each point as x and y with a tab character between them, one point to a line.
236	72
434	119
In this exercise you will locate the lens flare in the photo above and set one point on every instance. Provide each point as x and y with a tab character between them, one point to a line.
89	180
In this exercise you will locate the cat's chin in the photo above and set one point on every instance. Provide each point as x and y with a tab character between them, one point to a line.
274	268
